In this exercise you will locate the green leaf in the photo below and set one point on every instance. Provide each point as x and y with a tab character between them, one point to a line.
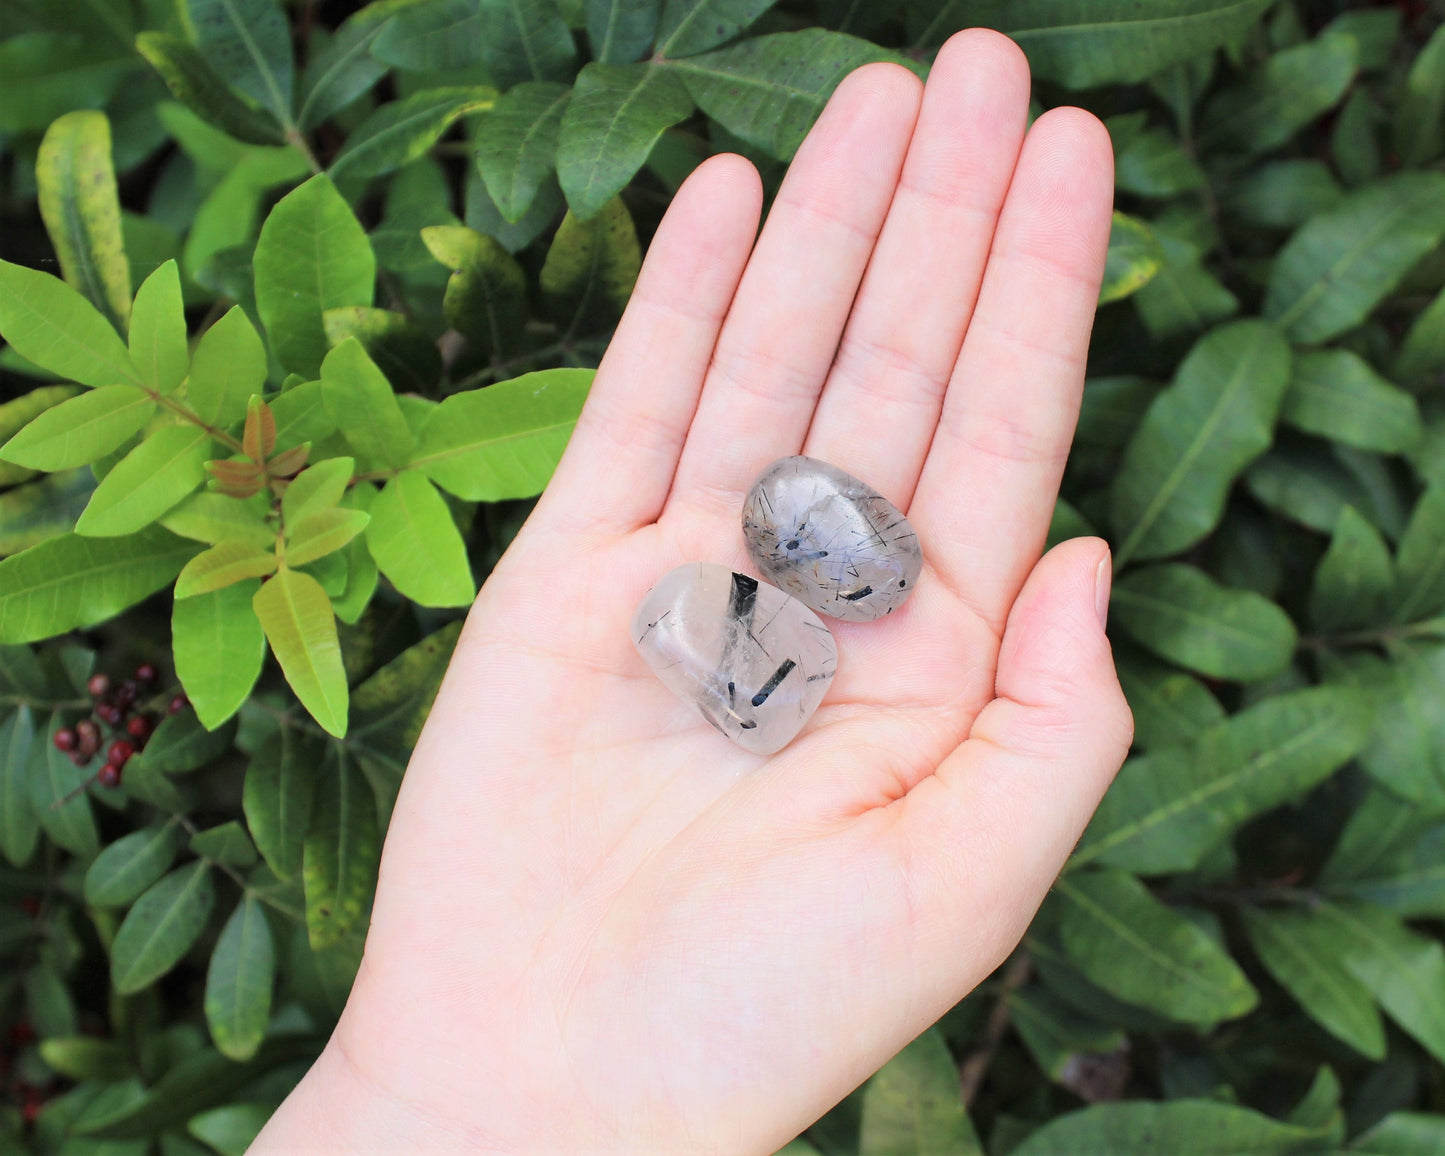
1145	953
44	75
1153	164
1182	614
70	582
621	31
224	564
516	144
1406	752
19	826
1087	43
525	40
1402	1134
231	1129
312	255
1169	706
248	43
82	429
401	348
182	743
1404	970
768	90
417	545
1339	266
438	36
43	510
400	131
344	69
226	845
1417	134
1183	296
81	210
58	797
503	441
147	482
1312	484
322	533
1060	1039
1355	578
217	517
316	488
343	849
913	1105
17	413
85	1058
158	345
1421	589
1197	436
162	926
131	864
1282	194
486	296
1168	809
301	416
615	116
48	322
1277	99
195	84
1134	257
361	403
1299	951
301	628
219	649
239	980
277	798
1422	353
1182	1127
1335	394
590	269
389	709
229	366
693	26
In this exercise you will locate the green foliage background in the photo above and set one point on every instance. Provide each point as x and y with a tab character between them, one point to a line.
312	294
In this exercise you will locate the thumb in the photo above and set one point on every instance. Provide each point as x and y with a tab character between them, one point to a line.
1006	808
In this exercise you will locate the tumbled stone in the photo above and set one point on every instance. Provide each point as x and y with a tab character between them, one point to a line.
831	541
755	661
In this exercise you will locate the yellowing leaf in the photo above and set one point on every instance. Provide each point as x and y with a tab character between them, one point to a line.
297	618
223	564
322	533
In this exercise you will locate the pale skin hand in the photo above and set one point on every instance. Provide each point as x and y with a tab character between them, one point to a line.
600	927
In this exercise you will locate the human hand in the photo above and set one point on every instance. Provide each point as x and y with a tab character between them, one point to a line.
600	926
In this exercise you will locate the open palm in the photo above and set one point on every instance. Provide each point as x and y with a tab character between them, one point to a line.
600	926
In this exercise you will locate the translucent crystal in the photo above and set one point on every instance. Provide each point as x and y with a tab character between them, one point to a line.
755	661
830	540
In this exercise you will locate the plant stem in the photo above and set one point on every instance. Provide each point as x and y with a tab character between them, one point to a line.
975	1065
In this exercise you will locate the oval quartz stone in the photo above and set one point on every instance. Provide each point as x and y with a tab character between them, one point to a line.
831	541
754	661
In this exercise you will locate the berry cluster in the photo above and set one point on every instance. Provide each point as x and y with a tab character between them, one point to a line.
118	707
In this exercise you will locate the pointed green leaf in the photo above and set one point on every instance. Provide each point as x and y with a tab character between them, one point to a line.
226	845
277	798
229	366
19	826
239	981
131	864
362	404
195	84
1060	1039
400	131
312	255
316	488
162	926
621	31
1355	579
1283	194
182	743
1402	1134
71	582
1422	353
693	26
45	320
1153	164
913	1105
147	482
1182	296
86	1058
43	509
591	268
158	344
1143	952
1339	266
615	116
486	297
1179	1127
343	850
81	209
78	431
1299	951
19	412
401	348
225	563
301	628
1197	436
438	36
1168	809
344	68
768	90
219	649
417	545
1419	128
1169	706
517	144
1421	590
58	797
248	43
525	40
322	533
1334	393
214	518
1406	751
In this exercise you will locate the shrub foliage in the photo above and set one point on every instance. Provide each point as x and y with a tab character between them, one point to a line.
300	305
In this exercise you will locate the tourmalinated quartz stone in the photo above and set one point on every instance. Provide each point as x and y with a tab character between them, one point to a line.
755	661
830	540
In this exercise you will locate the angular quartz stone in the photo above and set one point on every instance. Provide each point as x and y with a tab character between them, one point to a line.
755	661
830	540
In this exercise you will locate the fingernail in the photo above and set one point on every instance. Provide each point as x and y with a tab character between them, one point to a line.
1103	579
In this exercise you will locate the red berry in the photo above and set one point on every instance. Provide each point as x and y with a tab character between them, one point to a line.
110	714
178	704
108	775
120	752
98	685
139	726
88	736
125	694
66	739
147	673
